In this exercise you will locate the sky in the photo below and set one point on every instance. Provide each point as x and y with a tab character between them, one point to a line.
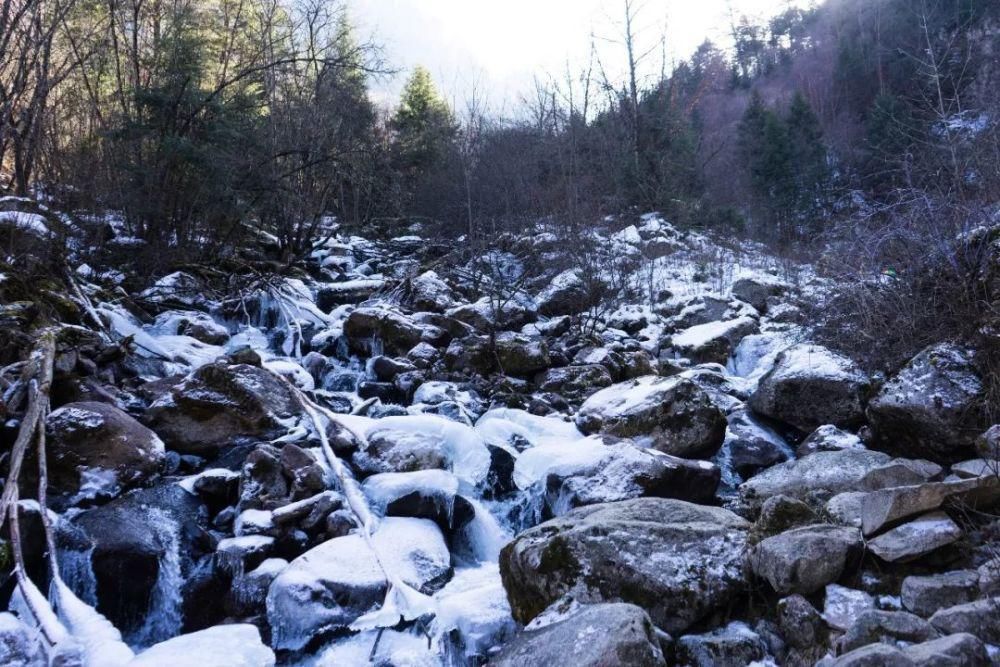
499	46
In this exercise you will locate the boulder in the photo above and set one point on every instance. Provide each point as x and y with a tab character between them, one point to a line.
565	295
752	446
826	474
734	644
757	290
425	494
574	383
809	386
828	438
887	506
331	585
713	342
95	448
672	415
887	627
598	635
977	618
926	595
394	332
932	407
804	560
801	625
916	538
397	451
150	534
873	655
781	513
843	606
957	649
626	472
428	292
496	314
678	561
521	355
219	405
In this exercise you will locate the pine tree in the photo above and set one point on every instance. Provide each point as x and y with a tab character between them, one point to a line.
767	155
809	166
423	125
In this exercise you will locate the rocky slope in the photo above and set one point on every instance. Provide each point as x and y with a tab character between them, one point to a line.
387	459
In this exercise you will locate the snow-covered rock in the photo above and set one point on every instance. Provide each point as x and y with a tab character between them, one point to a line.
678	561
236	645
566	294
713	342
810	386
672	415
331	585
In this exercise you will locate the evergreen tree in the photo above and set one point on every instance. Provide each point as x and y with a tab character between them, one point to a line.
808	157
767	154
424	130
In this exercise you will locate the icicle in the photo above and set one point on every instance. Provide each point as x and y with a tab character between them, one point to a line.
100	640
164	617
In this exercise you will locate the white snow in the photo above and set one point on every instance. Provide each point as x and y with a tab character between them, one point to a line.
236	645
30	222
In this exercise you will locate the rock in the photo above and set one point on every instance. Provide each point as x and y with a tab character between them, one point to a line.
809	386
806	559
751	446
957	649
988	444
386	369
597	635
623	365
396	332
713	342
989	577
425	494
887	506
219	405
828	438
148	534
334	583
391	451
626	472
704	309
843	606
916	538
496	315
887	627
801	625
757	290
678	561
234	644
926	595
566	294
977	618
574	383
672	415
734	644
780	513
873	655
95	449
521	355
195	324
423	355
428	292
931	408
975	468
19	645
826	474
845	508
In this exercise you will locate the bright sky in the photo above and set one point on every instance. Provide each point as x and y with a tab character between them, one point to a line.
500	45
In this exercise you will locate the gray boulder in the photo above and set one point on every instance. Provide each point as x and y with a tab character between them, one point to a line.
926	595
932	407
713	342
598	635
977	618
395	332
756	291
574	383
565	295
806	559
678	561
672	415
949	651
810	386
734	644
887	627
916	538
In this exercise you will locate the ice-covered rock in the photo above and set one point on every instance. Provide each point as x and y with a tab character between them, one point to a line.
751	446
932	407
425	494
574	383
428	292
676	560
810	386
19	645
331	585
193	323
566	294
96	449
381	328
672	415
236	645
